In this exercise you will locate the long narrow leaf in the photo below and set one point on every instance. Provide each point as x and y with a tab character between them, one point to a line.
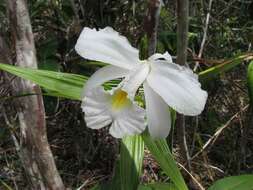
131	157
5	185
163	186
160	150
223	67
158	186
60	84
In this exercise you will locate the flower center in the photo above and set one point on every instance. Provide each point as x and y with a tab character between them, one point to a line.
119	100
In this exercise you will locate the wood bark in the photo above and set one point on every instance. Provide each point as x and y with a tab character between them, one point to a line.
182	42
35	152
151	24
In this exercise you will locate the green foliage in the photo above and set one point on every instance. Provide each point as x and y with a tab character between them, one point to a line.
214	71
131	157
47	54
158	186
243	182
167	41
59	84
143	47
5	185
160	150
250	82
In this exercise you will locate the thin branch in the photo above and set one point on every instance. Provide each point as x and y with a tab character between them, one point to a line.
192	177
204	34
213	139
205	29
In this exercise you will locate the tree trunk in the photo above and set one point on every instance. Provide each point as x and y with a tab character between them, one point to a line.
35	152
151	24
182	41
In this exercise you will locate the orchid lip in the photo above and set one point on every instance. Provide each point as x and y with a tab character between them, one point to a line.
103	108
119	100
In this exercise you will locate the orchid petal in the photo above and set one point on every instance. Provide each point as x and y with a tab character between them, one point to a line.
178	86
129	121
95	107
166	56
134	80
158	115
103	75
108	46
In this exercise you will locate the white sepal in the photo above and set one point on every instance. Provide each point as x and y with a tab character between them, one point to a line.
178	86
158	115
108	46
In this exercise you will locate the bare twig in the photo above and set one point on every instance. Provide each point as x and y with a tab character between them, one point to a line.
205	29
204	34
213	139
210	166
192	177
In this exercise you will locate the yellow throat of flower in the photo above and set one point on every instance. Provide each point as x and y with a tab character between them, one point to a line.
119	100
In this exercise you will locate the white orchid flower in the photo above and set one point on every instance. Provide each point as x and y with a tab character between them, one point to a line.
113	107
165	84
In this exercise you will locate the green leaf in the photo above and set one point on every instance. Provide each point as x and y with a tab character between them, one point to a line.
128	167
158	186
144	187
250	82
223	67
5	185
58	84
143	47
243	182
95	63
103	187
131	158
160	150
